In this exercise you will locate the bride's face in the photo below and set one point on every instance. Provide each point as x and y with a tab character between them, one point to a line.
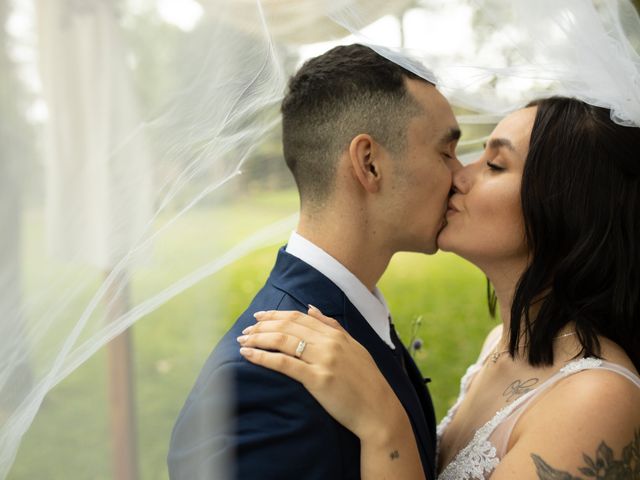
484	219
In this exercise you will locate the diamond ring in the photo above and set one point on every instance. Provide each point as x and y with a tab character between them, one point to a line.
301	346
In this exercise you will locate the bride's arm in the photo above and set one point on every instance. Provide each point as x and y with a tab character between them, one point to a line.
341	374
391	452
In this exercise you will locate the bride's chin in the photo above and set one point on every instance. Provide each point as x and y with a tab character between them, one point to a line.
451	243
445	242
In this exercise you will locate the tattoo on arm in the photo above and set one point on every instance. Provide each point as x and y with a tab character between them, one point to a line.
518	387
602	467
394	455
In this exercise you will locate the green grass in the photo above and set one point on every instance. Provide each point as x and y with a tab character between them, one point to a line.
70	436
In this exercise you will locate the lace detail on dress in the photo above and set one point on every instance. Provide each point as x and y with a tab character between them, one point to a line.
582	364
472	462
479	458
464	385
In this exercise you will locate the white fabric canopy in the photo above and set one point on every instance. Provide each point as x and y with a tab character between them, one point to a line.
97	162
141	123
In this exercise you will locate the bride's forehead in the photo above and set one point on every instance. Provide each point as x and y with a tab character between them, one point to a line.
516	128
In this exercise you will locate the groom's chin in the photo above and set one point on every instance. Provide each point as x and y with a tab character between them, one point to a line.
442	245
429	249
432	251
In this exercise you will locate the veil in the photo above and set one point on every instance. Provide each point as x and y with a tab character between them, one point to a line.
140	159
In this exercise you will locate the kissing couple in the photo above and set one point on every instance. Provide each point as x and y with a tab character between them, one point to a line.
320	387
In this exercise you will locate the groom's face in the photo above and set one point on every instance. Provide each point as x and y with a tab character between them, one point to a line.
422	174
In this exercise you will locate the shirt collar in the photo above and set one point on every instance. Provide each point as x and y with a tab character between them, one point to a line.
371	305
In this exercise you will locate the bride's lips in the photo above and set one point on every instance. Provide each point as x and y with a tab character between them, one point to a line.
451	208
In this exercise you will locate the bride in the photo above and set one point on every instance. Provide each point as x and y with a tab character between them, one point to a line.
549	213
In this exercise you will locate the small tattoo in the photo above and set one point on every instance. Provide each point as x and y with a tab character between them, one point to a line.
602	467
518	387
394	455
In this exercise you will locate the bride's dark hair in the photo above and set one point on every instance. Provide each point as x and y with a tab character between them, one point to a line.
581	205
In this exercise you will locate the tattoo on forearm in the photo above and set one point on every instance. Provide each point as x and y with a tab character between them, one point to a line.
602	467
518	387
394	455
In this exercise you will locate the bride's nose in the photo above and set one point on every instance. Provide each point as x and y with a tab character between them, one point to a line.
461	179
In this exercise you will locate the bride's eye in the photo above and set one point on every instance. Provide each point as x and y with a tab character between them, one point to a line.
494	167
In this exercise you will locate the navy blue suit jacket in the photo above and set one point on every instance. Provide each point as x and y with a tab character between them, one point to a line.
278	430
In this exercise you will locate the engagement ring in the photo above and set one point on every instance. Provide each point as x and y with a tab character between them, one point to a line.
300	349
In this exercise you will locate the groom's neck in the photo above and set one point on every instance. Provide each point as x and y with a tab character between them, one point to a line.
350	243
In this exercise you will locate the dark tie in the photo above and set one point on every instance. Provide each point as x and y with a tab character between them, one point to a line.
397	352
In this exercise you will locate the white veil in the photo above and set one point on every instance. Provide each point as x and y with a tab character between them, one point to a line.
125	126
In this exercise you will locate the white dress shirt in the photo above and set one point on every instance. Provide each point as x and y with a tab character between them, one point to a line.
371	305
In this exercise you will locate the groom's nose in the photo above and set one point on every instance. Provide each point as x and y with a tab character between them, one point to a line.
455	165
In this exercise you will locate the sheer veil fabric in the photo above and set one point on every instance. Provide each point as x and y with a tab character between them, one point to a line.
133	133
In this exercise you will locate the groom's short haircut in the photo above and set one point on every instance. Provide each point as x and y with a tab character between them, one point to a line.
334	97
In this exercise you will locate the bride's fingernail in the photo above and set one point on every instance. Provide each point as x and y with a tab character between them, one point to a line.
247	330
247	352
242	338
313	307
259	314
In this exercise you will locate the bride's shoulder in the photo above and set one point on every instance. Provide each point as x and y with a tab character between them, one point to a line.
596	388
614	353
589	413
610	383
603	398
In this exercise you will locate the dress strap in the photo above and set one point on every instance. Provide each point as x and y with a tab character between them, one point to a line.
588	363
502	433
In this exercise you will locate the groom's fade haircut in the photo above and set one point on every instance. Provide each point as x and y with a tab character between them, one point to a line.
334	97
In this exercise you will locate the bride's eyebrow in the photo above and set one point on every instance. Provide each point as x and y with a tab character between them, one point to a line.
496	143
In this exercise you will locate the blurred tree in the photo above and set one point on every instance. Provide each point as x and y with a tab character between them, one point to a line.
15	156
15	131
153	48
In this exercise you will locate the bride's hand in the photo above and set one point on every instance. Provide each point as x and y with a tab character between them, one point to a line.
338	371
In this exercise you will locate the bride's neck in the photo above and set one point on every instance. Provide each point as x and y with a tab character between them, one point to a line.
504	279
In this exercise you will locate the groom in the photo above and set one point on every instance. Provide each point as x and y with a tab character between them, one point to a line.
371	147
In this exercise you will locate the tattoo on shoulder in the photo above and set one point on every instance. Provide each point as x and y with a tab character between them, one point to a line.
601	467
518	387
394	455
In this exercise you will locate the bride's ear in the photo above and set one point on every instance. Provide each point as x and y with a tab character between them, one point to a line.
364	154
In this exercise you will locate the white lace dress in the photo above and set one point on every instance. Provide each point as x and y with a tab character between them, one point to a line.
482	455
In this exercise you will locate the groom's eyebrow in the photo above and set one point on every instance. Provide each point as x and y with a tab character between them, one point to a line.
452	135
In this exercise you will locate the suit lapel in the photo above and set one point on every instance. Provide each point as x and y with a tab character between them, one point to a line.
399	381
307	285
419	385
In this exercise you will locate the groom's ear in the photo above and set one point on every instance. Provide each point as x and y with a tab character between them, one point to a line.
364	154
